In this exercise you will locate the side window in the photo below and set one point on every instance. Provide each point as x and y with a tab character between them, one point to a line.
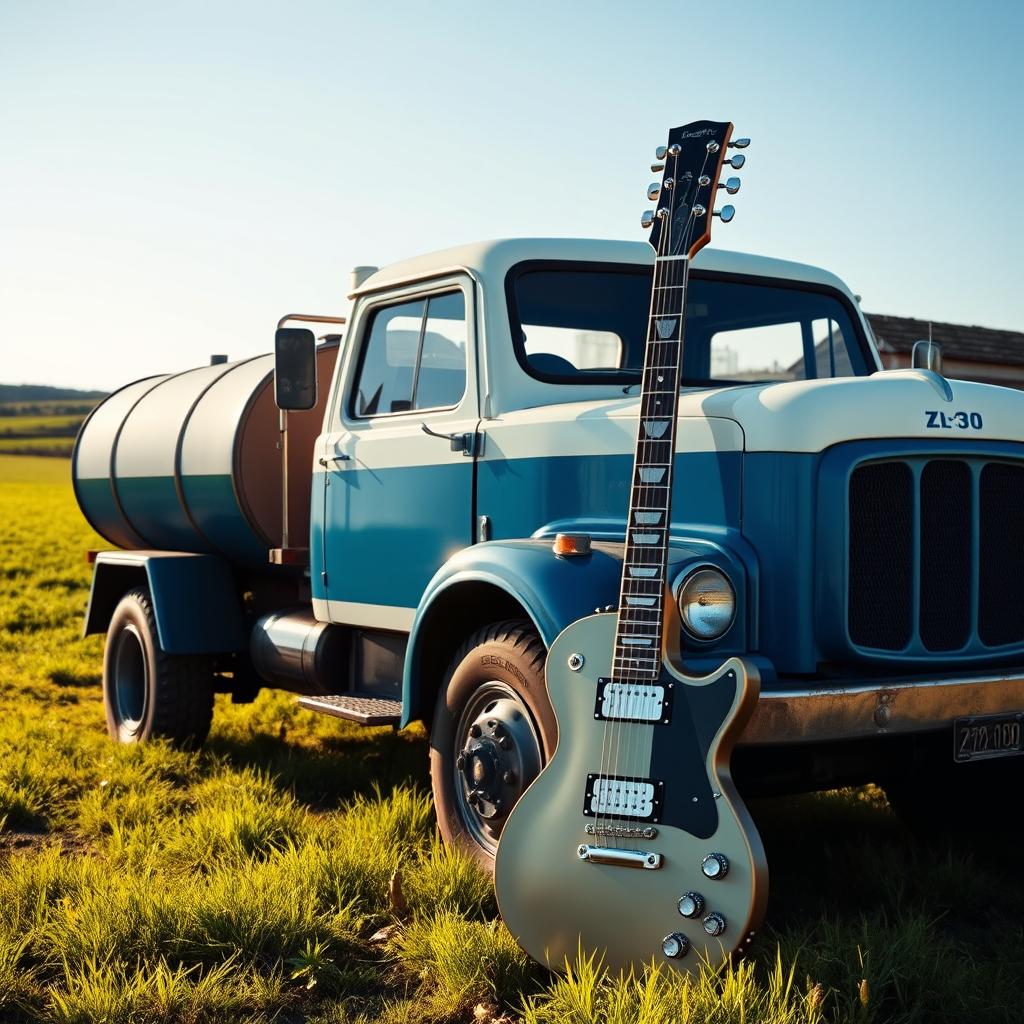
414	357
831	349
388	367
442	374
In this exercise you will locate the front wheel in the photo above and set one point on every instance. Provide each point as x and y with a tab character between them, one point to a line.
493	731
147	693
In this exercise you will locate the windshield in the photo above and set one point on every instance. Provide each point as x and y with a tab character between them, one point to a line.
577	325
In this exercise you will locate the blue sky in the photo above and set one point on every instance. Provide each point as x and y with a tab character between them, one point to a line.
176	176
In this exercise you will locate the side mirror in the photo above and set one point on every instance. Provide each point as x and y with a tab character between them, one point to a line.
926	355
294	368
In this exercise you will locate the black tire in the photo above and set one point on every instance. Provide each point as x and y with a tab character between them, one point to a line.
495	682
148	694
941	798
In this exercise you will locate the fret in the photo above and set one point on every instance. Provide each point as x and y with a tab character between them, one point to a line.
654	494
642	586
642	596
654	455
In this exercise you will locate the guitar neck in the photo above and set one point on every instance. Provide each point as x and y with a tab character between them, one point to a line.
638	635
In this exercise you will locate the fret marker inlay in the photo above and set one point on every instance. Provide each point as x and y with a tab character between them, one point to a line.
666	325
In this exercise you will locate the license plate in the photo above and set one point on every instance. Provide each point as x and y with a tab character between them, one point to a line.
977	738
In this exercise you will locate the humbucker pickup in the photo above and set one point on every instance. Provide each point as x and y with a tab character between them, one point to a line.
619	796
633	701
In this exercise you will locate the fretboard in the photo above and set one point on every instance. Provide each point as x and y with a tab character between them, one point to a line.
641	602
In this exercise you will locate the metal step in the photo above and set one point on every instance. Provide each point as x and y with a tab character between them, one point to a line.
364	708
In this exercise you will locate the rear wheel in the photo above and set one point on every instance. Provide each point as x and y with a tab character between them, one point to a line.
493	731
147	693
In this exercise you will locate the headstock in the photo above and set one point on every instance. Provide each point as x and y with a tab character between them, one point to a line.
691	163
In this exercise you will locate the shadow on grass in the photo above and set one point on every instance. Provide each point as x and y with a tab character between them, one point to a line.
61	677
933	924
336	770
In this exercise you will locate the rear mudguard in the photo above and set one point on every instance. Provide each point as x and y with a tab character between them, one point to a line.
195	599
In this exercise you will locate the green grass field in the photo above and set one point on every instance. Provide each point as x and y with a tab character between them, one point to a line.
41	428
290	871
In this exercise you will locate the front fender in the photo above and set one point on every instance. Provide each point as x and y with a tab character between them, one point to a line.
554	592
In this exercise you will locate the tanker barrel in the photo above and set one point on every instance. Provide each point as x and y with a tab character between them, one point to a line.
191	461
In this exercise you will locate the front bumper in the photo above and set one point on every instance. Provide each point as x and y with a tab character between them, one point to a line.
888	708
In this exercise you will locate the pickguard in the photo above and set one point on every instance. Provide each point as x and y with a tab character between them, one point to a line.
680	753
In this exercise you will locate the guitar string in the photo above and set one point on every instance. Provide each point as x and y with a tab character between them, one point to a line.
638	733
631	763
631	675
645	768
660	308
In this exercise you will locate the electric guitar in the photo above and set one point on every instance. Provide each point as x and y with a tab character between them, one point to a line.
633	842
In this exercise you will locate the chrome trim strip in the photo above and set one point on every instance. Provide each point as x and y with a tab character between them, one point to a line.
354	613
880	709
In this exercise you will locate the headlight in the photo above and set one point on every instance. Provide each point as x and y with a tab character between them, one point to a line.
707	604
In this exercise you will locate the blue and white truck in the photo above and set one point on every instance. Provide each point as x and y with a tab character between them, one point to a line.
857	533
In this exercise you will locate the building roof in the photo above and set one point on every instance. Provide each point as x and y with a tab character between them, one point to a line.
977	344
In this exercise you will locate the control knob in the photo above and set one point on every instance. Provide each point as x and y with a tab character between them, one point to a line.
714	924
691	904
675	945
715	866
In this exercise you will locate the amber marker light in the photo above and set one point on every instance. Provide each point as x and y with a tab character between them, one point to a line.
571	545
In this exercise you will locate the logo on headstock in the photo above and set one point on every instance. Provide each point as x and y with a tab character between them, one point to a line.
699	133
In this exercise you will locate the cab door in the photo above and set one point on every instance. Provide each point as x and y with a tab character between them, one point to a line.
397	500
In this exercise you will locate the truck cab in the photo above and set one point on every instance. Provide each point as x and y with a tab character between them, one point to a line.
465	477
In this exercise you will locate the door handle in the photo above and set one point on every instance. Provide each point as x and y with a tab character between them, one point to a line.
470	444
333	458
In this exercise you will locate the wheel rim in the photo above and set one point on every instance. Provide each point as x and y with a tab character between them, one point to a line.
130	678
497	755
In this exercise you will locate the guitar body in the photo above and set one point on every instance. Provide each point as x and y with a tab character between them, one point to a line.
557	904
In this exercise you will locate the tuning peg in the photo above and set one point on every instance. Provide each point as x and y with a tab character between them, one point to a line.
657	167
647	219
726	213
731	185
736	162
739	143
653	191
661	152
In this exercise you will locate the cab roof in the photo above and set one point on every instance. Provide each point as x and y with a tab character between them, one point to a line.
493	259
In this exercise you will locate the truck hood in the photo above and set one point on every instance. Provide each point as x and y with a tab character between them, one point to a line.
793	416
810	416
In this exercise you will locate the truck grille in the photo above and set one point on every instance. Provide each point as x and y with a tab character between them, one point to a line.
936	554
